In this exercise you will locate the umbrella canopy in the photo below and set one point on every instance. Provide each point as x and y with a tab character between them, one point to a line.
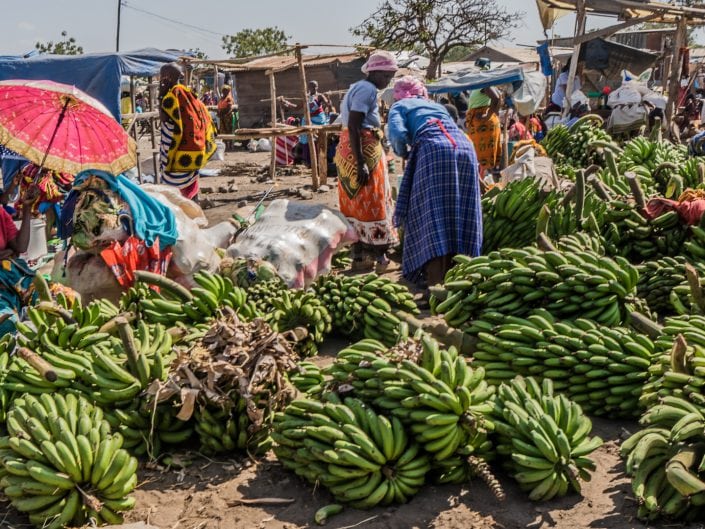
62	128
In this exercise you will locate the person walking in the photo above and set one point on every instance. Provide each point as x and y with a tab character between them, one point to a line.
364	193
438	205
484	128
188	133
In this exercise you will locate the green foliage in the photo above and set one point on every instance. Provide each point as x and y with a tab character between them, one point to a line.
66	46
440	26
459	53
198	53
253	42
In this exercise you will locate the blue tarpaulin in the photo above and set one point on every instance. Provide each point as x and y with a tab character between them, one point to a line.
97	74
473	80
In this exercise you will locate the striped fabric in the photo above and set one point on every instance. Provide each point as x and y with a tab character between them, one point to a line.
439	199
180	180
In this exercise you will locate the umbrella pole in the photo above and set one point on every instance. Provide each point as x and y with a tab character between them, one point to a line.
51	141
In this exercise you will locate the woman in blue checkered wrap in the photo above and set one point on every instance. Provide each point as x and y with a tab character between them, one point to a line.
438	205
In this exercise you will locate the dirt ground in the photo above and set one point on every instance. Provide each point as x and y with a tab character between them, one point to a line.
242	494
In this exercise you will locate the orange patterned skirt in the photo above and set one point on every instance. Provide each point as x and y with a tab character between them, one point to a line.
368	208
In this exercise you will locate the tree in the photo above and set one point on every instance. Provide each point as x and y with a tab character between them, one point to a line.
252	42
439	25
198	53
67	46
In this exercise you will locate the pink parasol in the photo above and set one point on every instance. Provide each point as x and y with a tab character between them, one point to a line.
59	127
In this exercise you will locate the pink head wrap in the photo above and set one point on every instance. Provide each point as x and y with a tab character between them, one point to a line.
380	61
409	86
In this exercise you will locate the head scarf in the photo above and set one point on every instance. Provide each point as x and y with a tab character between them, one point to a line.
409	86
380	61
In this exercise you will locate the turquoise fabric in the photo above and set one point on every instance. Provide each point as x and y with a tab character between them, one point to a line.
14	283
150	218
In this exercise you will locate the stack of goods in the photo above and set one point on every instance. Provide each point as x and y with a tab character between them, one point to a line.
61	463
544	438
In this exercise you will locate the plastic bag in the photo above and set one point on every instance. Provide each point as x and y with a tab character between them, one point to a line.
170	195
298	239
530	96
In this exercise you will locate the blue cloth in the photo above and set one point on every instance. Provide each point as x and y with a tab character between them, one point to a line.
465	80
320	119
10	163
361	97
545	59
439	199
407	117
97	74
150	218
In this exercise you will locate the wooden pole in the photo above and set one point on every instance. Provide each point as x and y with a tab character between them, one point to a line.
216	84
152	132
674	83
579	32
307	115
273	141
135	132
323	157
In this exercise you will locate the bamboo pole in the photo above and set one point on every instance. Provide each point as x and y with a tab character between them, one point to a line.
152	132
273	96
307	114
674	82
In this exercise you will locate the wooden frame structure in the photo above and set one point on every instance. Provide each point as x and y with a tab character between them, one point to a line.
319	133
631	12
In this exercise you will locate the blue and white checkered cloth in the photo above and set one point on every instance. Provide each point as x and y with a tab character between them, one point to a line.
439	199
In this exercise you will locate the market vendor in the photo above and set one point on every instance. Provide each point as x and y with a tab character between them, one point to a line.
52	188
227	111
484	128
15	275
439	199
188	133
364	193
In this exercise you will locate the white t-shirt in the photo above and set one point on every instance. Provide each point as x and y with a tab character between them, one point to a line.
558	97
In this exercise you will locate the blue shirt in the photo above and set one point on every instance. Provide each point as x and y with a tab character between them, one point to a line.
361	97
408	116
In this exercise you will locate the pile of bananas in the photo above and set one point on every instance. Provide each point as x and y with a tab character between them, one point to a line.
629	234
146	429
666	461
581	242
678	368
307	378
363	458
602	368
544	438
510	215
433	391
574	147
659	279
62	465
289	310
221	431
695	247
653	162
365	305
176	304
515	281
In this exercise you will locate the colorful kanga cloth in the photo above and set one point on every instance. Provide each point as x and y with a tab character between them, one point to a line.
368	208
52	186
193	133
438	205
485	131
125	258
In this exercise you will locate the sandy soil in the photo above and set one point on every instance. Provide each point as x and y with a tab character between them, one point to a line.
223	493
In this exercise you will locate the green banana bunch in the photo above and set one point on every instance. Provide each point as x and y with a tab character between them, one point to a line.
662	279
601	368
629	234
576	146
581	242
678	367
652	161
544	438
365	306
363	458
307	378
300	308
7	345
62	464
666	460
196	305
516	281
695	247
222	431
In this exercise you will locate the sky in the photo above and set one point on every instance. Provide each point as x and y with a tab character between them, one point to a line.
93	22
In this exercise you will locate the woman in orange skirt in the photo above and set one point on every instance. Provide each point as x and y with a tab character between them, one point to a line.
484	128
364	192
